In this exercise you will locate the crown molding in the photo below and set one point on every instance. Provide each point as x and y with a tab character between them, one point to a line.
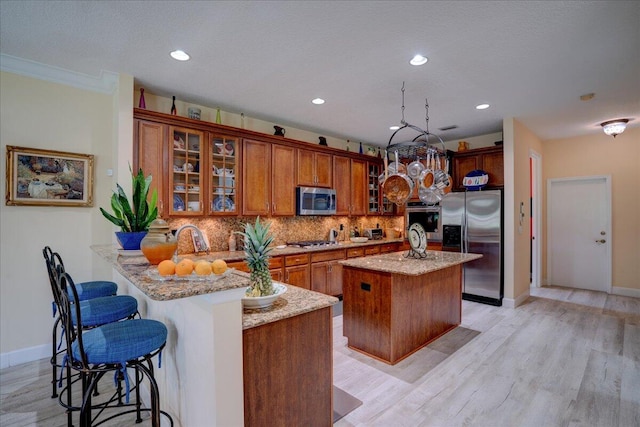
106	82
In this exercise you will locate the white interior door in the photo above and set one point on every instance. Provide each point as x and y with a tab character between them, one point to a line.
579	232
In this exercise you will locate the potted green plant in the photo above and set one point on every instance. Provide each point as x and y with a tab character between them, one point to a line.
133	218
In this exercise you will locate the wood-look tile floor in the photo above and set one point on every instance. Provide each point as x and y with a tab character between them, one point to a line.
564	358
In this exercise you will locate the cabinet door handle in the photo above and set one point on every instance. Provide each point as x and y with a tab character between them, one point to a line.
286	277
267	205
274	207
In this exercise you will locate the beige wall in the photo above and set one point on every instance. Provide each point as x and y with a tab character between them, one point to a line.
39	114
600	154
524	142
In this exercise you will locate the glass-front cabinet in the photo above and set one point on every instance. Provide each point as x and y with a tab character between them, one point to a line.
224	157
185	160
378	203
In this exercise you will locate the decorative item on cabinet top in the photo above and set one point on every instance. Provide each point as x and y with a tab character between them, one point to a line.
323	141
279	131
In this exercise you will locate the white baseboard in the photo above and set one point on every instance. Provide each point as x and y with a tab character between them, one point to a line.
625	292
25	355
513	303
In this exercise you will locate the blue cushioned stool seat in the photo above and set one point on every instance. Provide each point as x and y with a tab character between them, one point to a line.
119	342
100	311
96	289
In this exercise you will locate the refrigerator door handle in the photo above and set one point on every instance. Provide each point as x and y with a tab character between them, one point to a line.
463	234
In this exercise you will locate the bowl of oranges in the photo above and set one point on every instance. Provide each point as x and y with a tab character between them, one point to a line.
189	270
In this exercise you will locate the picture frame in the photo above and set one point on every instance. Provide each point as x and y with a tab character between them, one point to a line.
39	177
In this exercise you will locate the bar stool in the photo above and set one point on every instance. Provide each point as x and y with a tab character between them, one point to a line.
98	310
113	347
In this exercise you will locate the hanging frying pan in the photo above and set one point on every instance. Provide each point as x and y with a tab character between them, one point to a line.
398	186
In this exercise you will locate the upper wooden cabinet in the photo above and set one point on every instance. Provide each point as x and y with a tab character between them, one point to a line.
267	179
352	192
150	156
489	159
223	171
186	185
314	169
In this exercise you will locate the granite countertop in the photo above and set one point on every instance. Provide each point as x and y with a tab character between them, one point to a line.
399	263
137	270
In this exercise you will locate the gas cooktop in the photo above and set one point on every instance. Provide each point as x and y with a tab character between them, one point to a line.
312	243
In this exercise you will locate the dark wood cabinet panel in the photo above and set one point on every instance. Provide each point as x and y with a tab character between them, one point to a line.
150	156
489	159
283	197
314	169
296	388
256	177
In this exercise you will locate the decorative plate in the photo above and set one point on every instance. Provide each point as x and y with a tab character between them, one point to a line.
475	180
417	238
153	274
223	203
264	302
178	203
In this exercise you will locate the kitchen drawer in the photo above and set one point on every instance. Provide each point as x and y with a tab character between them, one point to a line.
355	252
299	259
389	247
327	256
372	250
274	264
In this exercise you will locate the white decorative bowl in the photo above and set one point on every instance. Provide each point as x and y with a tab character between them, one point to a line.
264	302
359	239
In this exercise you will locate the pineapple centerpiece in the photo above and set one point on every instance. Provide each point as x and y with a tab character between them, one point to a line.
257	241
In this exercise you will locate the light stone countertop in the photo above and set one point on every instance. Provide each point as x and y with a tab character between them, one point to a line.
137	270
399	263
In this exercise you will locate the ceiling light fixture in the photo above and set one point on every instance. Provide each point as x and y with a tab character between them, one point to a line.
318	101
614	127
482	106
394	127
180	55
418	60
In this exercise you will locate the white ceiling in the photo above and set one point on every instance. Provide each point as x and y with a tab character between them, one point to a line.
529	59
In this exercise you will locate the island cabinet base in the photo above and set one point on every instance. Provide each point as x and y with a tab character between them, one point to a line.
288	371
389	316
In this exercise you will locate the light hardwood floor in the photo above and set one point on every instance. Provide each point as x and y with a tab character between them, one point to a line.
564	358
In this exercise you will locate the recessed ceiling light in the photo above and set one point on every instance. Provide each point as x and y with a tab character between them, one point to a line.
482	106
394	127
180	55
318	101
418	60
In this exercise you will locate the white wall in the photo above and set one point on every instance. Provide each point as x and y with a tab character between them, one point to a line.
39	114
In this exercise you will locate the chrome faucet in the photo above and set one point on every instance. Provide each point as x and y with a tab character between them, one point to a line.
204	247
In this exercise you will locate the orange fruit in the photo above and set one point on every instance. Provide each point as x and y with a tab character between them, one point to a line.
167	267
219	266
203	268
184	267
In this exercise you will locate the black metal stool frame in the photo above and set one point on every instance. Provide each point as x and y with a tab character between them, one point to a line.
91	374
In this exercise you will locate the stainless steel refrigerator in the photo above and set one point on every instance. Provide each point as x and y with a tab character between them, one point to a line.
472	223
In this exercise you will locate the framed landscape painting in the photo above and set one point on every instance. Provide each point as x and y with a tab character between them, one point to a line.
48	178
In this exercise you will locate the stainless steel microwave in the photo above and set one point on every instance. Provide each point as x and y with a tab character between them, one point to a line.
315	201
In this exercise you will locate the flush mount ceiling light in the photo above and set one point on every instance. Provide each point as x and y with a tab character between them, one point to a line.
394	127
318	101
482	106
614	127
418	60
179	55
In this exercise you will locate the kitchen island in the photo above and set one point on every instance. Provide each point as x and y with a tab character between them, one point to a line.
394	305
225	366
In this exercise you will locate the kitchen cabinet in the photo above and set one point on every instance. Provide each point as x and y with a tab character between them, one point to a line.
489	159
297	270
149	156
389	247
326	272
185	177
378	203
267	179
223	169
314	168
355	252
352	192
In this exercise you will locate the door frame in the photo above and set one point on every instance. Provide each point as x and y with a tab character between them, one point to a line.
607	189
536	211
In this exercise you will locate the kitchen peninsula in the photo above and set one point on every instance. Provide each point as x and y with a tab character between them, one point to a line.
226	366
394	305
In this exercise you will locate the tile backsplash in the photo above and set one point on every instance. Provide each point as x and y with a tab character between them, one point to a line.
287	229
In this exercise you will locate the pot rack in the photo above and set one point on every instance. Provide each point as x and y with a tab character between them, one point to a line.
418	147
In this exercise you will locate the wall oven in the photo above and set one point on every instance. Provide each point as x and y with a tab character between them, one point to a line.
427	216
